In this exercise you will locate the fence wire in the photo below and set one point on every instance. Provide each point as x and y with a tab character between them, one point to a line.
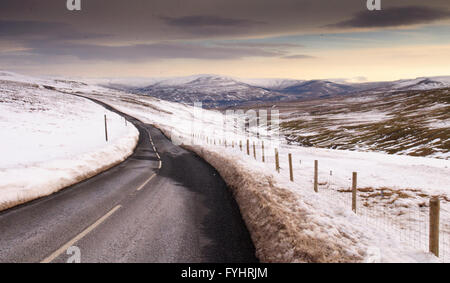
411	223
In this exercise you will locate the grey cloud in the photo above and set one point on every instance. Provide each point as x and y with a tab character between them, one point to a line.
394	16
18	28
205	25
145	51
200	21
43	30
153	20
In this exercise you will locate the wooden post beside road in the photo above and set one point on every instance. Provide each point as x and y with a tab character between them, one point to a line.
316	176
106	129
248	147
434	225
291	173
277	161
254	150
262	151
354	190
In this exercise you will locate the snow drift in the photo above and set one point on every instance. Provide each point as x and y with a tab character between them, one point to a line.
52	140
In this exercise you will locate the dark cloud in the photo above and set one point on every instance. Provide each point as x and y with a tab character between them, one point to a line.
394	16
206	25
201	21
21	30
47	32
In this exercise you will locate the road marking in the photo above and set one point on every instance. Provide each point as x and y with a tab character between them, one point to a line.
146	182
160	164
70	243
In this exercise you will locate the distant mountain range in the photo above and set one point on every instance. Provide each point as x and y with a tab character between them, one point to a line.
222	91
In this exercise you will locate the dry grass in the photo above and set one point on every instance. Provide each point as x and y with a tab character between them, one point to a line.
404	130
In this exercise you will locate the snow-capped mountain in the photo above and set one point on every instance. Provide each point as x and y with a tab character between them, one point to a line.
317	88
212	90
272	84
422	83
222	91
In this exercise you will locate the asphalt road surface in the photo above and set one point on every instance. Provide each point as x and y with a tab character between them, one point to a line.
163	204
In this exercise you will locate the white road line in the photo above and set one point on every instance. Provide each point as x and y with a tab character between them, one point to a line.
160	164
61	250
146	182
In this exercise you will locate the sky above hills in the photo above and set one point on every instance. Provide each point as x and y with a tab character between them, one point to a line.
300	39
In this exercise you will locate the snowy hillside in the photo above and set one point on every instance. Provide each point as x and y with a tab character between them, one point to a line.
316	88
221	91
51	140
413	123
212	90
272	84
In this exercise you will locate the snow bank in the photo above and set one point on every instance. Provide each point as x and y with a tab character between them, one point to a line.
52	140
279	223
288	224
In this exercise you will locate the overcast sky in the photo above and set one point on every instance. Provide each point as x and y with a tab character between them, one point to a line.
303	39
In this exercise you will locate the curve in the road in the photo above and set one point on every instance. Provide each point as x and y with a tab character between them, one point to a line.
166	206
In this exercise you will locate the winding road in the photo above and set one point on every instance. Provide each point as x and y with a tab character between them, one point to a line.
163	204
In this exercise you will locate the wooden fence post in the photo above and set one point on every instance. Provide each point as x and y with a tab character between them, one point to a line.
291	173
316	176
277	161
254	150
262	151
434	225
240	145
248	147
354	190
106	129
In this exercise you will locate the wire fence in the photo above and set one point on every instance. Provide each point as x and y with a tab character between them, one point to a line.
406	213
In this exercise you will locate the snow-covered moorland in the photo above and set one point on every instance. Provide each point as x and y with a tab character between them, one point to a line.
50	140
415	123
288	221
